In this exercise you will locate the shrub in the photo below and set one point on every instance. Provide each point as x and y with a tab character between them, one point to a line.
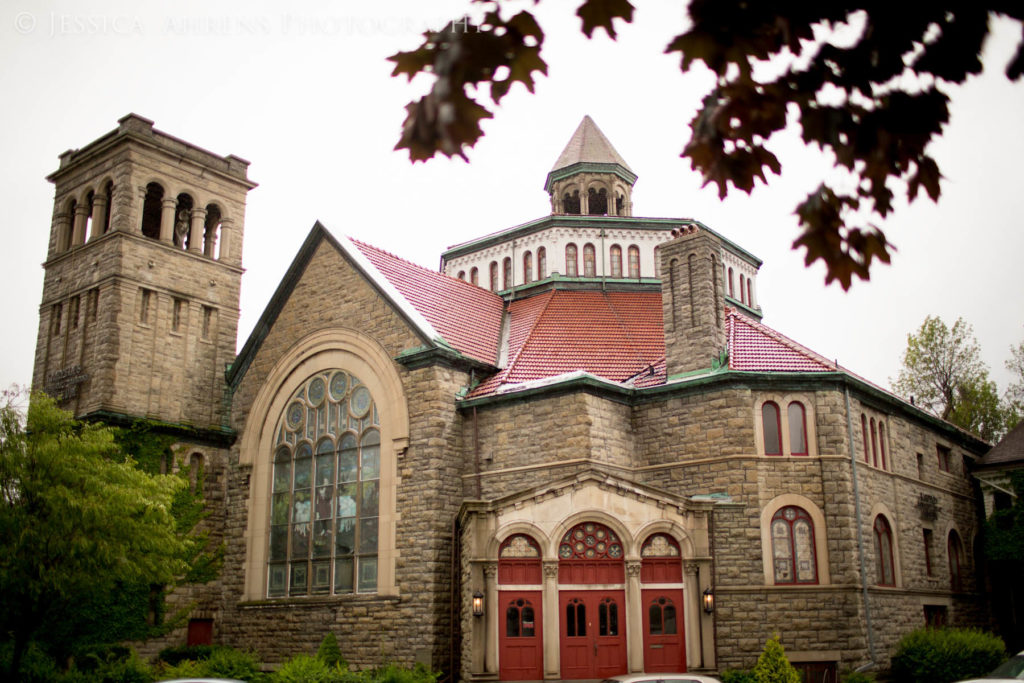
306	669
329	653
178	653
129	670
186	668
772	666
738	676
944	655
226	662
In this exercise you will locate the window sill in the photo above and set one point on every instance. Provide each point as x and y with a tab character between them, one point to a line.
289	603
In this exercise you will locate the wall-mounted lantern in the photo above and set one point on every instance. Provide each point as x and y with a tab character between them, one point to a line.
478	604
708	598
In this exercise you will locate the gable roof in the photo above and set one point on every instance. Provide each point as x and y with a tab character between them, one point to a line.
1008	453
416	293
465	316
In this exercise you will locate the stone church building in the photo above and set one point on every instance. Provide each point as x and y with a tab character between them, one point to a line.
577	451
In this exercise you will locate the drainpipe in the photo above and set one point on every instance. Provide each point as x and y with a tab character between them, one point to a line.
604	266
860	534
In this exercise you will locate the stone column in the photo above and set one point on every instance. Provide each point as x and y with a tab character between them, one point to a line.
634	617
492	616
167	220
78	229
692	613
552	665
99	216
195	238
227	230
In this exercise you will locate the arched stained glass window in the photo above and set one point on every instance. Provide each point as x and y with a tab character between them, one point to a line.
793	554
326	490
542	263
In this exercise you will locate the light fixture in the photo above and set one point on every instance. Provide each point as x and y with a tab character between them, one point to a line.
709	600
478	604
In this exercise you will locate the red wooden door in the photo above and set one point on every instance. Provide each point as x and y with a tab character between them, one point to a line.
592	634
520	640
664	642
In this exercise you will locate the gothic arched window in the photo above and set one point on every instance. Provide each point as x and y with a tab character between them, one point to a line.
326	490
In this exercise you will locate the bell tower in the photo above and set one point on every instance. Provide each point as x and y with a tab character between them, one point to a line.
139	314
590	178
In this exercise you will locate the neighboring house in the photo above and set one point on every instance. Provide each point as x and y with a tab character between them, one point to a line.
993	470
576	452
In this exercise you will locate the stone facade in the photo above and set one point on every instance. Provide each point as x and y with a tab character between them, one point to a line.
620	496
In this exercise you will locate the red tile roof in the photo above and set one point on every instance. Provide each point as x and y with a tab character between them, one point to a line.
466	316
756	347
617	336
614	335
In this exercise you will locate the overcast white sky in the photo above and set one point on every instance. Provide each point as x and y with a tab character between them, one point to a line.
302	90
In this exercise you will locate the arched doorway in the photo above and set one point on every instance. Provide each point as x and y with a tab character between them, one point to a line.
591	601
661	575
520	635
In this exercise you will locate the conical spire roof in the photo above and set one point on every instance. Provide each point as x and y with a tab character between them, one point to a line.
589	145
589	151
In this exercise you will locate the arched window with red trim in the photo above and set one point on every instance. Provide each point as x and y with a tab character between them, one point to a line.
519	561
881	443
542	263
864	431
660	560
527	267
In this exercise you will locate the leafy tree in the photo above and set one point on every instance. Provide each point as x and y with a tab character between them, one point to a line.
868	82
943	372
772	665
78	520
1015	392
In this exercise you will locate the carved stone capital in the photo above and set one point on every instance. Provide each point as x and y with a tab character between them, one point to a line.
633	569
550	570
691	568
491	570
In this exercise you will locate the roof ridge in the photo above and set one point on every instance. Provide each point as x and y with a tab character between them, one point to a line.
396	257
